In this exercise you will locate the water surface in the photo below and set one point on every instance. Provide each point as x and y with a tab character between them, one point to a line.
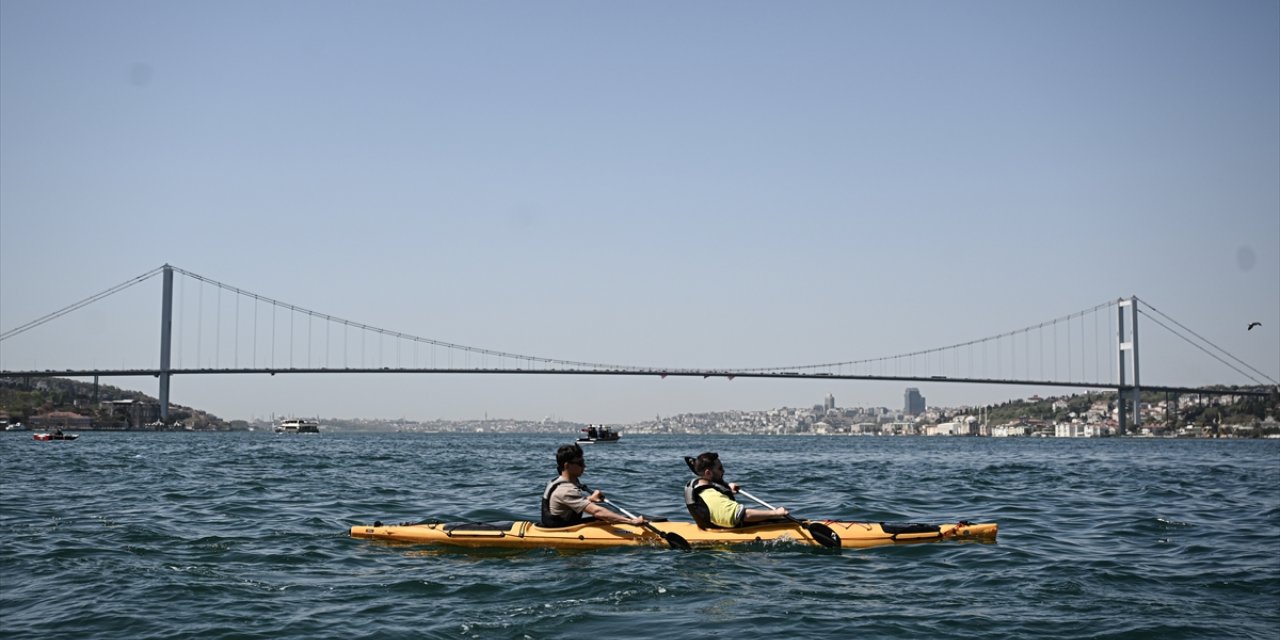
140	535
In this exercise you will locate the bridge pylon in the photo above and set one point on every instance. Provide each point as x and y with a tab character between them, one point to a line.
1131	346
166	339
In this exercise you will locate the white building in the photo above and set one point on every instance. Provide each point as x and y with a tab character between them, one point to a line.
1077	430
1009	431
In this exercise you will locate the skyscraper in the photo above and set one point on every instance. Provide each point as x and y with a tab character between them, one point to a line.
914	402
829	402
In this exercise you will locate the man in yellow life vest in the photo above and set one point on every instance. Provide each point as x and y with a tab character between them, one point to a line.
710	500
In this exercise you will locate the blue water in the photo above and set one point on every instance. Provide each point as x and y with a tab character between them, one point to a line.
133	535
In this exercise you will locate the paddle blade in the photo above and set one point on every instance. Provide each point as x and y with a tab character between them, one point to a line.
677	541
823	534
693	464
674	539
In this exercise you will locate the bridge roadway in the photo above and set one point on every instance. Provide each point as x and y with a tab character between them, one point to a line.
661	373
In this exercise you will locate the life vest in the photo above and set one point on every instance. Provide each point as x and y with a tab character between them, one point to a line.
551	520
697	508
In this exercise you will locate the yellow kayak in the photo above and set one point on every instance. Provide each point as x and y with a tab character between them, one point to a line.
596	535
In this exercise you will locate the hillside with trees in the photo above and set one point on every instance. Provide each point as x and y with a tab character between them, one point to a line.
25	399
1204	410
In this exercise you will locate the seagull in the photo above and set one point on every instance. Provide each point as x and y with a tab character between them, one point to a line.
1254	324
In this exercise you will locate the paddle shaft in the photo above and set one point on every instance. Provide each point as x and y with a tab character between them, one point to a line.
675	540
620	508
762	502
769	506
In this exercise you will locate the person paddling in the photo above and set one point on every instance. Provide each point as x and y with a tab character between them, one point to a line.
711	502
564	505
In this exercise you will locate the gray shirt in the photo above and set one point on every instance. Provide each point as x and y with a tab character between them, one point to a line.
567	499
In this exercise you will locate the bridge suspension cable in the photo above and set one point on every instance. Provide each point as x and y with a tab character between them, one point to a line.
386	333
935	359
1215	356
72	307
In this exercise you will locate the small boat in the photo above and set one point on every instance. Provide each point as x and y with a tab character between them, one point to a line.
599	434
298	426
57	435
596	535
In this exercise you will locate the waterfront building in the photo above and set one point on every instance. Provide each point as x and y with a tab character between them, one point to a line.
60	420
1077	430
1009	431
132	413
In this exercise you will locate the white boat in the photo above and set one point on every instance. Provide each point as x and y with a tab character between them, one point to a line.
298	426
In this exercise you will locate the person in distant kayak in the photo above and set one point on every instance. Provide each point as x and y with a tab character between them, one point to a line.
710	500
563	502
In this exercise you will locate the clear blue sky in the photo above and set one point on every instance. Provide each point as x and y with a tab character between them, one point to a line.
712	184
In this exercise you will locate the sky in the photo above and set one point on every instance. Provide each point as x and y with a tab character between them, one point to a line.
711	184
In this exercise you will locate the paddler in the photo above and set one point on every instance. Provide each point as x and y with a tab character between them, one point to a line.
710	500
563	502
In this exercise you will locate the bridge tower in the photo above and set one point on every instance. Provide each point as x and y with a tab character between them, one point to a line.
166	336
1130	345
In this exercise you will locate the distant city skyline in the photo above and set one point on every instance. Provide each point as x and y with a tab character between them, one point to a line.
1068	415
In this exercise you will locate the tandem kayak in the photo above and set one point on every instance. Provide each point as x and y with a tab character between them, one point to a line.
596	535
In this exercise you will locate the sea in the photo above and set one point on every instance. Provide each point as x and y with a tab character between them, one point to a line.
246	535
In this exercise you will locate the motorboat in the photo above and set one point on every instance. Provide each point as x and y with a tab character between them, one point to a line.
56	435
599	433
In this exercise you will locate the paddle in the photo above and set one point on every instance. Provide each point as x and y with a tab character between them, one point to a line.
820	532
676	540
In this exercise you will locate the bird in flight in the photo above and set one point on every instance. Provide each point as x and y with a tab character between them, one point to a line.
1254	324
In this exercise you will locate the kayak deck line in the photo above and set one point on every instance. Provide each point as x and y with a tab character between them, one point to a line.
598	535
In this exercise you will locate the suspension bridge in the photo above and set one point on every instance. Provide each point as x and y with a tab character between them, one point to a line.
245	333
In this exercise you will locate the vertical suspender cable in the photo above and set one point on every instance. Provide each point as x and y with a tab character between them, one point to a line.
217	328
199	323
1068	323
182	306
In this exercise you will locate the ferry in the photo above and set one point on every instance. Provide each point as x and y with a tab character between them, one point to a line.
298	426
